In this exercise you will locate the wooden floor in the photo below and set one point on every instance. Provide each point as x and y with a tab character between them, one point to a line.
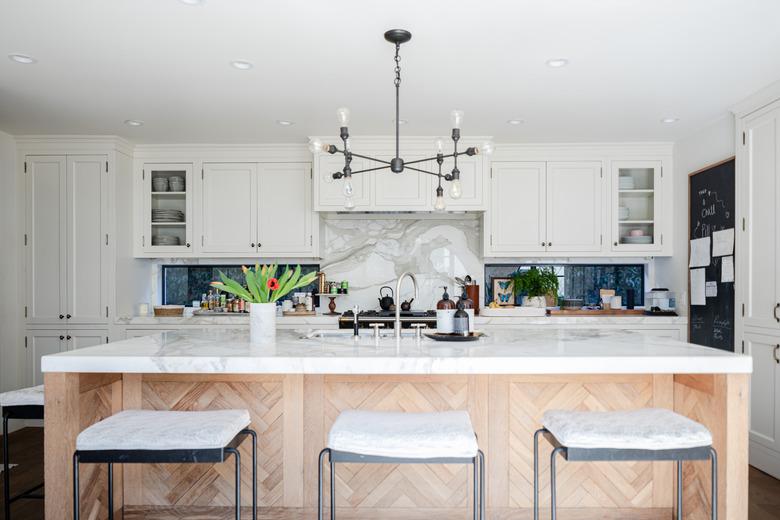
26	451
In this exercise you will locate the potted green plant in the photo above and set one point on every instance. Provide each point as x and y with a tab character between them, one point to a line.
536	285
261	289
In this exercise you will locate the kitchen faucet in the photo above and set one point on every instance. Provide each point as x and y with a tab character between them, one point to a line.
397	325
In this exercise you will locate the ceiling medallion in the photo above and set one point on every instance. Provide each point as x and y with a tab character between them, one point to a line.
397	164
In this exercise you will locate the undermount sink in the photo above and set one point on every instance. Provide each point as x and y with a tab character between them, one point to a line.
346	333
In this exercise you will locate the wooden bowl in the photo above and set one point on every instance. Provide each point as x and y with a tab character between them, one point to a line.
169	310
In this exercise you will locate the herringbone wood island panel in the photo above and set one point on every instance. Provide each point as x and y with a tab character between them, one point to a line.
292	415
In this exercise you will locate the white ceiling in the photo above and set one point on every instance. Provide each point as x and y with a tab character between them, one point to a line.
632	63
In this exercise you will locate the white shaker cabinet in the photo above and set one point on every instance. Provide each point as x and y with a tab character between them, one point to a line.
257	209
167	235
574	206
517	207
66	234
764	401
229	208
329	192
41	343
638	207
284	194
472	181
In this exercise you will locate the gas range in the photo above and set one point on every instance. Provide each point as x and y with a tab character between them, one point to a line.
387	318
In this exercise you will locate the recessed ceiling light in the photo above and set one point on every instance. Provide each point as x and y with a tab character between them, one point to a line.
284	122
193	2
134	122
515	122
557	62
22	58
669	120
241	65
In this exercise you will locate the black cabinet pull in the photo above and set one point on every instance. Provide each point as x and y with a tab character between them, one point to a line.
252	244
615	244
62	337
68	316
69	338
188	244
259	244
62	316
775	312
549	243
774	354
543	244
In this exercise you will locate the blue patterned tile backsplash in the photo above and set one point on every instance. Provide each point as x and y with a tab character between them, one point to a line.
184	283
580	280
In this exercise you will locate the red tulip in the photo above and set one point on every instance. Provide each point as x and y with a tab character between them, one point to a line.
273	284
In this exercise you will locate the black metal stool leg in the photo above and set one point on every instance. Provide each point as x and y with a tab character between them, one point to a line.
481	484
110	491
332	487
253	434
237	456
553	506
76	496
714	458
536	471
679	490
6	472
319	482
476	487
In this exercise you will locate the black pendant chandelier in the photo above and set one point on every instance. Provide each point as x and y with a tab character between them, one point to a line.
397	164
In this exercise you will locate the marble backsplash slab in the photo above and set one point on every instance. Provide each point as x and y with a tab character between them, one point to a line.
371	253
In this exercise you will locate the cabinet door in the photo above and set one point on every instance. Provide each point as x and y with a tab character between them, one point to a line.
405	191
229	209
329	192
85	338
167	235
637	196
87	250
762	291
284	209
46	236
42	343
517	210
472	182
764	388
574	207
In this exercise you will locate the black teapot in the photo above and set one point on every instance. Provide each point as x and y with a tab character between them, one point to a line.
386	303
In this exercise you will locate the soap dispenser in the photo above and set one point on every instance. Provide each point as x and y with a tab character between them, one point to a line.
445	312
468	306
460	321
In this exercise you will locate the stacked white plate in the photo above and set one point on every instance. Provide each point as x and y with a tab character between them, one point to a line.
159	184
176	183
644	239
625	182
165	240
167	215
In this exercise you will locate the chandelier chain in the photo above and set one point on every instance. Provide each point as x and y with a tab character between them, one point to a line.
397	66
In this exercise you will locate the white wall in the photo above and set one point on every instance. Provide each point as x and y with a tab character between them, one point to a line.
707	146
11	339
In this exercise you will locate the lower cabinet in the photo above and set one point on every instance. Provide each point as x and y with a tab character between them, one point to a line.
43	342
764	401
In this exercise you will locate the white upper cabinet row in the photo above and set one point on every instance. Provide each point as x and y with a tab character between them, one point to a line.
227	210
577	208
66	239
387	191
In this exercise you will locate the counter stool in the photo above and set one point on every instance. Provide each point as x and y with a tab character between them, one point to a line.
26	403
651	434
163	437
403	438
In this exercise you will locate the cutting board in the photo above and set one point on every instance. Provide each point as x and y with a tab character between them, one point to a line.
513	312
585	312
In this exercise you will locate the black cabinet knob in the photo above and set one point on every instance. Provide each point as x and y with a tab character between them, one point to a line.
188	244
549	243
252	244
543	244
615	244
68	316
62	337
62	316
69	338
259	244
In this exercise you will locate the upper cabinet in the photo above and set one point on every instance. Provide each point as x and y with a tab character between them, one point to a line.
410	190
540	207
167	219
227	209
637	206
67	239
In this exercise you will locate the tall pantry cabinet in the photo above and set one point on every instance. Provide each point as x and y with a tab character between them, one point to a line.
67	253
758	281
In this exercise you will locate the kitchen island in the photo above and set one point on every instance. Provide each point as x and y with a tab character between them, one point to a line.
295	388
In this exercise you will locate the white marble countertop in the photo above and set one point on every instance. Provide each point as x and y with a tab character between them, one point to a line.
324	319
504	351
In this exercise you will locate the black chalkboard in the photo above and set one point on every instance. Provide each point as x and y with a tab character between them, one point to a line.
711	208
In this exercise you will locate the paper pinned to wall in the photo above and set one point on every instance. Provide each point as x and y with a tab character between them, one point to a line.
698	290
723	242
700	252
711	289
727	269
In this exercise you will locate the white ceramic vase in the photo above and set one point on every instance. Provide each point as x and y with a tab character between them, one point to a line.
534	301
262	323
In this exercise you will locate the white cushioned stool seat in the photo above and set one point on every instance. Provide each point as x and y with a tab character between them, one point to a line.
644	429
32	396
404	435
164	430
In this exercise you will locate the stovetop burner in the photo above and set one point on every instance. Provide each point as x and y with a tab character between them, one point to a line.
389	314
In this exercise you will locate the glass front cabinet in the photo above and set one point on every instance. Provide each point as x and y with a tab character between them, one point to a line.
637	206
167	212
